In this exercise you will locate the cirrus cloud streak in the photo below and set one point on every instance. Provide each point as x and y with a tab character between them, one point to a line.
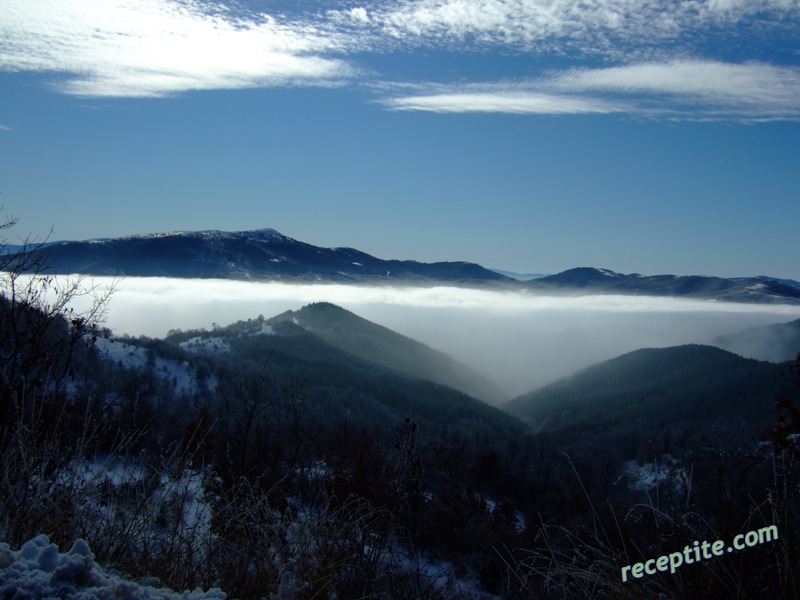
154	48
501	99
679	89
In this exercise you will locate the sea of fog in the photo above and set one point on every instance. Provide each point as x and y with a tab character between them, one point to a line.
518	340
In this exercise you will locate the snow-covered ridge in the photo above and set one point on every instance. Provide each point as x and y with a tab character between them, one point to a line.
39	570
609	273
265	234
212	234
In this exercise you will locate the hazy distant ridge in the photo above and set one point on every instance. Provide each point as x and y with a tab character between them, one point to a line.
776	343
604	281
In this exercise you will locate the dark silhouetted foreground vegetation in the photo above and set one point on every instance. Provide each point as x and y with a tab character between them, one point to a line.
277	463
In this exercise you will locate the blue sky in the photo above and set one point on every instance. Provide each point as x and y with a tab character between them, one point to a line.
530	135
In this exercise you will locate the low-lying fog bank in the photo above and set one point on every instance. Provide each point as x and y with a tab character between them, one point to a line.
519	340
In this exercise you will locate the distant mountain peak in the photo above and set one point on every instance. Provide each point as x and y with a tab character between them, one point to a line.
581	277
373	342
261	254
268	255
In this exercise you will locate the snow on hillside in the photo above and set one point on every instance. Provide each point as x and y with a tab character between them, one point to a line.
135	357
38	570
206	345
265	330
266	234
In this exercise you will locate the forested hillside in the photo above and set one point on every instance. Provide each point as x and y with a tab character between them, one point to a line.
311	455
700	384
380	345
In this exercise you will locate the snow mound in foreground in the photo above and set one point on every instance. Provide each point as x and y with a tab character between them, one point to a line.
39	571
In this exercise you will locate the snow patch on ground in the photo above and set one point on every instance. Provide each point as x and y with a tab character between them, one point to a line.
520	522
649	476
38	570
114	471
491	505
103	481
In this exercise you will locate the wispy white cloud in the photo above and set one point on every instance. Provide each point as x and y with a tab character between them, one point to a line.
500	98
5	128
744	7
586	26
679	89
158	47
152	48
749	91
507	22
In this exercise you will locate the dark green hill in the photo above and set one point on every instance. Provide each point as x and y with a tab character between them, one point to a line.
343	386
356	335
682	383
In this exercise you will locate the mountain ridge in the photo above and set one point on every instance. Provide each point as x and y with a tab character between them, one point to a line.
306	346
263	254
605	281
268	255
374	342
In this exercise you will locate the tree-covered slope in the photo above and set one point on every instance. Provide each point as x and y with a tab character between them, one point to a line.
341	385
693	382
370	341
